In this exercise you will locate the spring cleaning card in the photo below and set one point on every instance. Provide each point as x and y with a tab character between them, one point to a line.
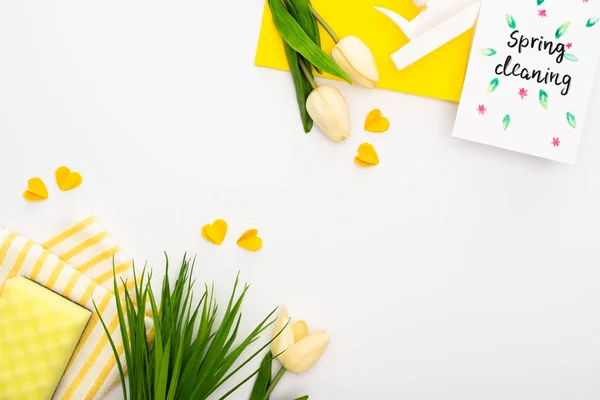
530	76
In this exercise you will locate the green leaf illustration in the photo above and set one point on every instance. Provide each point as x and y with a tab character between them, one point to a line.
510	20
488	52
540	2
571	120
571	57
591	22
493	85
562	30
506	122
543	98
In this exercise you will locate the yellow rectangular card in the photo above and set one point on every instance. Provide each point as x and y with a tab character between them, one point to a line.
439	75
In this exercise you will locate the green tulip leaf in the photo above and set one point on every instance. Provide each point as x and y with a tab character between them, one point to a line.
510	20
307	20
591	22
571	57
293	34
301	84
571	120
562	30
302	398
300	10
540	2
506	122
263	379
488	52
543	98
493	85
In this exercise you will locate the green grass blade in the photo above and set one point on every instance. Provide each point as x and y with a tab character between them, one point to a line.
215	354
193	352
163	374
114	349
130	334
236	387
120	315
249	340
173	384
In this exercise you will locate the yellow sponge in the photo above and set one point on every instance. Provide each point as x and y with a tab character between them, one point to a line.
39	331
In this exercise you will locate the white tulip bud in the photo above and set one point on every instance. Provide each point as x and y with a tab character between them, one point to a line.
298	354
328	109
357	60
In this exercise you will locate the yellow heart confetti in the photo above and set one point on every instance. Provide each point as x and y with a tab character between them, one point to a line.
36	190
216	232
376	122
367	156
250	240
67	180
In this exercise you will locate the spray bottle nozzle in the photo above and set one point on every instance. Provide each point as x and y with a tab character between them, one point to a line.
420	3
438	22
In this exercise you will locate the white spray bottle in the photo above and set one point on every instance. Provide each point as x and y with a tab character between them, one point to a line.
439	22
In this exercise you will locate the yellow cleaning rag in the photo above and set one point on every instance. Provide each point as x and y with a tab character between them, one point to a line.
77	264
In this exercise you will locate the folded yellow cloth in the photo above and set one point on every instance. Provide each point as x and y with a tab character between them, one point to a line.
440	74
76	263
81	241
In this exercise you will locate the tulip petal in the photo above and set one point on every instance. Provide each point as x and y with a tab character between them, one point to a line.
328	109
303	355
356	77
286	338
357	60
300	329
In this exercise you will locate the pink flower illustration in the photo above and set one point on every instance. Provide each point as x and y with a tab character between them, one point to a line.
555	142
481	109
569	45
523	93
542	13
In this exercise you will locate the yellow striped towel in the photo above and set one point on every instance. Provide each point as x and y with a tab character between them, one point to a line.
77	264
82	242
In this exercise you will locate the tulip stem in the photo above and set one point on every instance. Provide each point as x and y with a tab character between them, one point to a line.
324	24
309	76
275	381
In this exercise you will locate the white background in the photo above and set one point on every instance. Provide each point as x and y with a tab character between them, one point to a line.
451	271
